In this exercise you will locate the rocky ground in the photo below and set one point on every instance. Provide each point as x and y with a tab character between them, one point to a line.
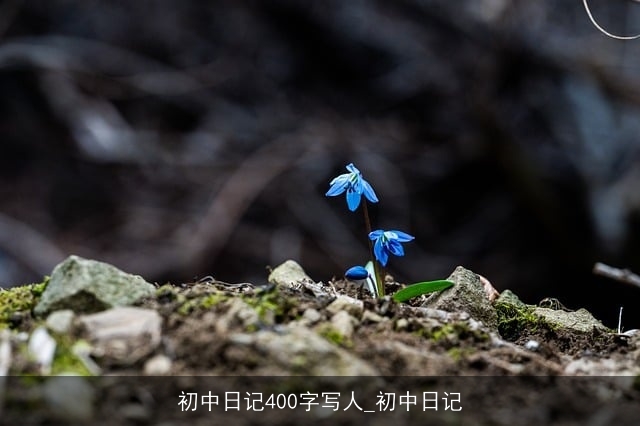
136	348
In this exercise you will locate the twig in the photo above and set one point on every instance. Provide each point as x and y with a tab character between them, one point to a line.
622	275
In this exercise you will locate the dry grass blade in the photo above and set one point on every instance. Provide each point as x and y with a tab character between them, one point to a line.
602	30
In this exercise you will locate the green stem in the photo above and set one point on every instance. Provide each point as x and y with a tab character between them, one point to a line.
376	266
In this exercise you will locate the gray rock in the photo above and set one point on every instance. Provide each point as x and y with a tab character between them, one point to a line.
414	359
372	317
289	274
402	324
238	314
604	367
580	321
510	298
60	321
158	365
90	286
467	295
532	345
300	350
42	348
310	317
343	323
352	306
123	335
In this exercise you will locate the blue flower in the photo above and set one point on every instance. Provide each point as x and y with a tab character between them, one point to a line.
354	185
388	242
356	273
361	276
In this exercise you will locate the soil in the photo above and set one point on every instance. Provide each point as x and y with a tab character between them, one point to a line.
529	374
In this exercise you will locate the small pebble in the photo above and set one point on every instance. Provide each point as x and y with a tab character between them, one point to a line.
343	323
42	348
352	306
60	321
402	324
5	354
311	316
123	335
532	345
158	365
369	316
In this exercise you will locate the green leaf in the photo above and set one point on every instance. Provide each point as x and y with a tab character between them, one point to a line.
418	289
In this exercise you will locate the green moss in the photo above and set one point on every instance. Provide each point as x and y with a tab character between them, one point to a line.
447	331
251	328
167	293
515	320
455	332
334	336
38	288
204	302
270	306
212	300
65	361
17	300
457	353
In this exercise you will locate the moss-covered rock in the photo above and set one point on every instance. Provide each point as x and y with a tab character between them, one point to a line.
90	286
571	331
17	303
516	320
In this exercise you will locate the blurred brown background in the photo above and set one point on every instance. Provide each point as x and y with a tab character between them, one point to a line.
182	139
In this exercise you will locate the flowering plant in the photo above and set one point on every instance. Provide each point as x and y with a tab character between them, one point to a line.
382	243
354	185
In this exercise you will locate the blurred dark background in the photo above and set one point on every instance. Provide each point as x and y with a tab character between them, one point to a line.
182	139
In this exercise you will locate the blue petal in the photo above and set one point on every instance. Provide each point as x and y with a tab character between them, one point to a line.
338	185
335	190
376	234
395	248
380	252
343	179
369	192
352	168
356	273
403	237
353	200
384	258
